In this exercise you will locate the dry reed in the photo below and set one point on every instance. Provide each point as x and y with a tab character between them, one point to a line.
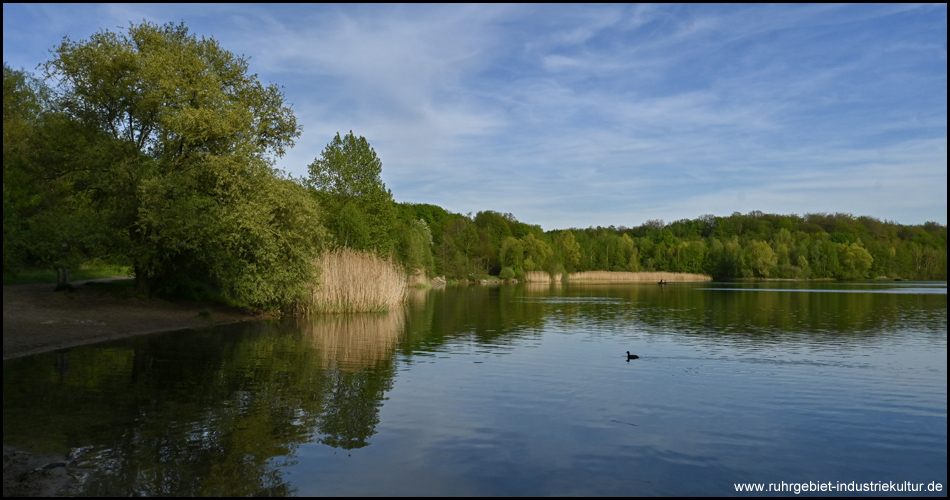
537	277
627	277
352	281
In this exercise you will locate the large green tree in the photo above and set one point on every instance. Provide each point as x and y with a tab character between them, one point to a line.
185	161
360	211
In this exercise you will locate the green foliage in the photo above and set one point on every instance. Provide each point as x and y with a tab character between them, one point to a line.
165	142
88	271
761	258
855	261
47	222
456	252
761	245
360	211
569	251
537	253
512	253
418	254
755	245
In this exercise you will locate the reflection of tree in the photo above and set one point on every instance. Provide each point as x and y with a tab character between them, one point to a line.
215	412
355	349
352	409
498	315
835	311
493	314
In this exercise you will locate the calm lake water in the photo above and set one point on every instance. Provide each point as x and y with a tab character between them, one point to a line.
513	390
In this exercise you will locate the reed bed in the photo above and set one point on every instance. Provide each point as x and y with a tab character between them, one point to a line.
352	281
627	277
537	277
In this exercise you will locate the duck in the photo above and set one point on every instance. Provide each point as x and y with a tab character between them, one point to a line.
631	356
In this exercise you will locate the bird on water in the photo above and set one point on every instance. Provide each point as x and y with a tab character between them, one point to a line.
631	356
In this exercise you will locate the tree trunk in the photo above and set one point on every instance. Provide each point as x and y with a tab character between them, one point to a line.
142	283
62	278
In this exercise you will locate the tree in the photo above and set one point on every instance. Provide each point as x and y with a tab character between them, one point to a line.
537	253
855	261
511	255
46	222
185	161
569	250
457	249
360	211
762	258
418	251
21	193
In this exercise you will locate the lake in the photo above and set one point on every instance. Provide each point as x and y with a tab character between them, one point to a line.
519	390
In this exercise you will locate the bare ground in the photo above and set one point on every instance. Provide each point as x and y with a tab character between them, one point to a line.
36	319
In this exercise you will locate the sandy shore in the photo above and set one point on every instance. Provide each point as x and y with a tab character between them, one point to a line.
36	319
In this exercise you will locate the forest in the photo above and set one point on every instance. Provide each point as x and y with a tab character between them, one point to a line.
155	149
754	245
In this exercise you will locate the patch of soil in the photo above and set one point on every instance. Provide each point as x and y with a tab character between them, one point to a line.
37	319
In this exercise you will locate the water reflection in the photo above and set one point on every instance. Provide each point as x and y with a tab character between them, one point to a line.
353	342
508	390
217	412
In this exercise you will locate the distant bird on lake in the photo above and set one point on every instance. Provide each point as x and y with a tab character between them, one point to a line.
631	356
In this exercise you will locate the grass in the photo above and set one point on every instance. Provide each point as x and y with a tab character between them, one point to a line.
352	281
85	272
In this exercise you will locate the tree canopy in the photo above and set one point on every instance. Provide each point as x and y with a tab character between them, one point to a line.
346	179
172	140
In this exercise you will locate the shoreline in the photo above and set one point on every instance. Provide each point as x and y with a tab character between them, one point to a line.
37	319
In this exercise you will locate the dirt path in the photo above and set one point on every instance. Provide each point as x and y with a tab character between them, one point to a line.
36	319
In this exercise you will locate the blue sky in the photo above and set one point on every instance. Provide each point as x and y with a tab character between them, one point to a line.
581	115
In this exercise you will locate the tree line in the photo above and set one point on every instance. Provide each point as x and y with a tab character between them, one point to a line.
754	245
155	148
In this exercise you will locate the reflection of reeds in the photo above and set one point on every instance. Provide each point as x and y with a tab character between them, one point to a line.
352	342
542	285
617	276
418	296
352	281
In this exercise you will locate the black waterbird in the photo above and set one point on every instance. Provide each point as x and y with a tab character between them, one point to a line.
631	356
